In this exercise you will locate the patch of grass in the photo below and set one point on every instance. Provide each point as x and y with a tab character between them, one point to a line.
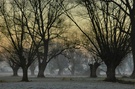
67	79
2	81
122	81
125	82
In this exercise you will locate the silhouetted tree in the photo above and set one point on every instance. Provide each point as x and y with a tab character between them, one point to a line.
9	56
95	61
128	7
48	26
93	67
108	42
112	45
22	45
15	67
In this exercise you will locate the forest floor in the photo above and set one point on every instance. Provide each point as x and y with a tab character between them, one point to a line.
10	82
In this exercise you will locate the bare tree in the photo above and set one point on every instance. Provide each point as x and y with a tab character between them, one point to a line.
9	56
23	47
47	15
128	7
109	43
93	67
43	23
95	61
10	60
113	45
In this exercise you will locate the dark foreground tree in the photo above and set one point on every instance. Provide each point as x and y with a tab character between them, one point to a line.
128	7
48	27
109	43
18	38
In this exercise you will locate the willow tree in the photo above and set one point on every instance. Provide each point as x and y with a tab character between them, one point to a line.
109	43
128	7
10	58
48	22
23	46
43	22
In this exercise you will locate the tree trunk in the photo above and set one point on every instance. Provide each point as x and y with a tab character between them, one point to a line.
42	67
110	73
43	64
15	72
93	69
132	18
25	74
60	71
73	70
32	72
133	52
32	69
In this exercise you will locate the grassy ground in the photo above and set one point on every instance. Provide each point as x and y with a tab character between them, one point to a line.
68	78
6	77
10	82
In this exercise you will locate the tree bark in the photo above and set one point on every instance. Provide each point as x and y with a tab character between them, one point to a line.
133	52
110	73
133	42
42	67
15	72
25	74
43	64
93	69
132	18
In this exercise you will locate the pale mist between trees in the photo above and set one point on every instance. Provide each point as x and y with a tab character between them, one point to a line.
92	38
